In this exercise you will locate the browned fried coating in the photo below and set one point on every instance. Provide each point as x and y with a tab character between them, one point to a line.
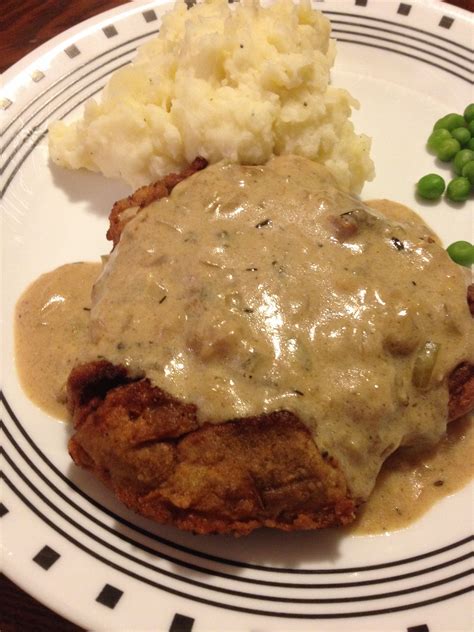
144	196
226	478
461	391
231	477
461	380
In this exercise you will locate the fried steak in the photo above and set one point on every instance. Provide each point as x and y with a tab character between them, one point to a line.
231	477
124	210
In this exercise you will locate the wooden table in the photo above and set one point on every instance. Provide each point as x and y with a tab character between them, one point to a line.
30	23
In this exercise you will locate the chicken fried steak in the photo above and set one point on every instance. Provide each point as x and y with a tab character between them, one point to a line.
263	343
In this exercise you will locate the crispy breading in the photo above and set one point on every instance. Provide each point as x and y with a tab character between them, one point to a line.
219	478
461	391
144	196
231	477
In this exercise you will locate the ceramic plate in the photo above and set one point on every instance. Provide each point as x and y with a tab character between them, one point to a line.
66	541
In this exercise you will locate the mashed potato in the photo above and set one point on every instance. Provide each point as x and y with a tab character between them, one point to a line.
241	82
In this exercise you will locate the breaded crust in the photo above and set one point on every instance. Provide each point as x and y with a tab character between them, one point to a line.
231	477
144	196
218	478
461	391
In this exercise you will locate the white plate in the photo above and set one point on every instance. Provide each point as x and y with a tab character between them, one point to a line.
66	541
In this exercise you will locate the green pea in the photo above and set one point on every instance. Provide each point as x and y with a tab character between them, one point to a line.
437	137
431	186
470	127
469	113
462	135
448	149
450	122
470	144
468	171
461	158
461	252
458	189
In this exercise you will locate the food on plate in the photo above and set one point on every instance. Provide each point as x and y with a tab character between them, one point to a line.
450	122
458	189
411	483
261	343
52	331
431	186
462	135
461	252
461	159
230	477
469	113
448	149
468	171
239	81
451	140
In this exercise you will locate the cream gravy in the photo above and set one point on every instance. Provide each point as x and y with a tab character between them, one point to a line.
52	333
409	484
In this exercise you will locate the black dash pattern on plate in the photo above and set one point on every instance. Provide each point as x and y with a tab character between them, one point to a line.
419	628
404	9
110	31
109	596
46	557
72	51
181	623
361	3
445	22
150	15
3	510
37	75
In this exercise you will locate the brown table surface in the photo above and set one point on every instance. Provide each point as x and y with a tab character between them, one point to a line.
30	23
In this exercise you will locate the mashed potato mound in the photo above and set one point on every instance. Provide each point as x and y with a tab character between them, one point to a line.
240	82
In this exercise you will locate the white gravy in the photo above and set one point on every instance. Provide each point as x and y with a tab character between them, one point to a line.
52	333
